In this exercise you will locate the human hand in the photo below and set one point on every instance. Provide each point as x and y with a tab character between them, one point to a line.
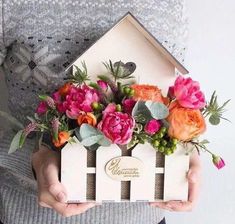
51	193
194	179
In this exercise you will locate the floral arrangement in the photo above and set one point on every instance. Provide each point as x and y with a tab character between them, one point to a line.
115	110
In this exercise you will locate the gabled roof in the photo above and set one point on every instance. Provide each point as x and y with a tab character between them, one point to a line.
153	40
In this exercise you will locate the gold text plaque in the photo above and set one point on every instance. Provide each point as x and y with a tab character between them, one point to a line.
124	168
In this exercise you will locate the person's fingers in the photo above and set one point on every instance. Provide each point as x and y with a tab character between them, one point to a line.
180	206
162	205
67	210
51	181
194	184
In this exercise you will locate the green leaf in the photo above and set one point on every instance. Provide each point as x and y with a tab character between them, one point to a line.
87	130
214	119
91	140
158	110
204	141
133	142
104	141
90	136
11	119
140	109
15	143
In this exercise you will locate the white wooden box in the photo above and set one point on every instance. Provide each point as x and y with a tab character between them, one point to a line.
83	172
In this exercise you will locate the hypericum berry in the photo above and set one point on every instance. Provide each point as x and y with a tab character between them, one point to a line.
161	149
168	152
163	142
156	143
174	141
163	130
127	90
131	92
95	105
118	108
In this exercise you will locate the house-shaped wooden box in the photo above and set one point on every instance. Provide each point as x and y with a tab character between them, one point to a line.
84	172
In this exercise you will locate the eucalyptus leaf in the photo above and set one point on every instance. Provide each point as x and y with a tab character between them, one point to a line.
140	109
91	140
104	141
87	130
15	143
214	119
158	110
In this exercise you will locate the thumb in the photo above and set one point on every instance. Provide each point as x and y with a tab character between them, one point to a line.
192	176
51	182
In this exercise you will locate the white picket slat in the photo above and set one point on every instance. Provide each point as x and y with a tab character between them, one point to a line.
143	188
175	176
74	170
106	188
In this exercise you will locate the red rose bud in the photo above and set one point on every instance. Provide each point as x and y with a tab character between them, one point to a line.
42	108
50	101
218	161
103	85
152	127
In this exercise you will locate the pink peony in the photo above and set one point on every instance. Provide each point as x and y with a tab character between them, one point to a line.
117	126
42	108
109	109
218	161
188	93
102	84
152	127
128	105
78	99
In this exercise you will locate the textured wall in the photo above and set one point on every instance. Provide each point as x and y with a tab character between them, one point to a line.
210	59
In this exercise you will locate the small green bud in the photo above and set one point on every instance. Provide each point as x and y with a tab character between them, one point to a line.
131	92
174	141
127	90
163	130
163	142
156	143
118	108
95	105
161	149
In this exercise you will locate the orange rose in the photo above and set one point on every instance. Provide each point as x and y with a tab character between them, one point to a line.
147	92
87	118
65	89
63	137
185	123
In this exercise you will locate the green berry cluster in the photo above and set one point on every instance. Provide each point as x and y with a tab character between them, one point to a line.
163	143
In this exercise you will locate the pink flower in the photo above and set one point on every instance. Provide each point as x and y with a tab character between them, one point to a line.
188	93
42	108
102	84
109	109
152	127
118	127
218	161
128	105
78	99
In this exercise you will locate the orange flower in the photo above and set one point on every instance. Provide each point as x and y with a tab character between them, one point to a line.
87	118
185	123
63	137
147	92
65	89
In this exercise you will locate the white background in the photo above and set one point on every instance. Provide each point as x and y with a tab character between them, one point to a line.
210	59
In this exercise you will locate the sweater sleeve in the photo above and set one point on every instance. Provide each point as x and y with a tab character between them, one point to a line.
2	46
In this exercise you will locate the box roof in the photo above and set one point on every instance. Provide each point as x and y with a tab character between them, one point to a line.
153	40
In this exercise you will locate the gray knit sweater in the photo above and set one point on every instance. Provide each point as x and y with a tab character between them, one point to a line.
38	39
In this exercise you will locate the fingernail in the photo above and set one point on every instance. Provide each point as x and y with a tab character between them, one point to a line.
61	197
